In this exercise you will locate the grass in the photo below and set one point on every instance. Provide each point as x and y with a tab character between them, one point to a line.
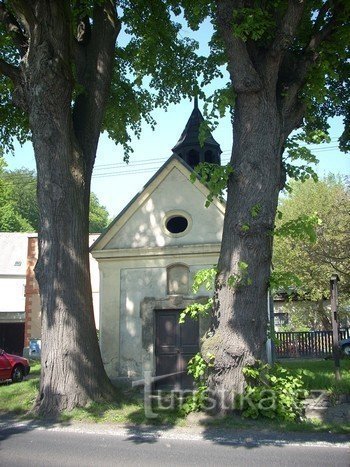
319	374
18	399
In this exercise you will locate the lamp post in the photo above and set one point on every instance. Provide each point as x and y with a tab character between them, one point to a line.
334	303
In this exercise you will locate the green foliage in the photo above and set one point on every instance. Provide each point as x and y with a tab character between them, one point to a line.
272	392
255	210
196	401
283	280
241	278
295	151
219	102
19	210
150	51
11	219
301	228
196	310
98	215
323	90
198	367
23	184
252	23
319	375
328	252
215	177
205	278
13	123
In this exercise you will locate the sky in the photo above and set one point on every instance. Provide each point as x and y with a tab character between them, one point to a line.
115	183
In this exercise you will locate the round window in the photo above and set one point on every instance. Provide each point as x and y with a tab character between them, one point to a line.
176	224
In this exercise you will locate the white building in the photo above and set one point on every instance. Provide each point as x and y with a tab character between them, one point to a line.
147	259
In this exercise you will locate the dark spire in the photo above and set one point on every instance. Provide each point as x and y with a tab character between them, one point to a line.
188	146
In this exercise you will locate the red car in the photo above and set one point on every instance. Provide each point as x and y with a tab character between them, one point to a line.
13	367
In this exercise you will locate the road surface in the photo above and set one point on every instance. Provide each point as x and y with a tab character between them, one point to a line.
32	444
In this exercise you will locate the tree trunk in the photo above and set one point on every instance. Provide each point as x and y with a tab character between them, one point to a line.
239	327
72	371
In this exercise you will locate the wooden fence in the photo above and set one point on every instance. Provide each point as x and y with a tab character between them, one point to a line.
306	344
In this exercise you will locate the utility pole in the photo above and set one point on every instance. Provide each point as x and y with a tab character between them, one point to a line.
335	327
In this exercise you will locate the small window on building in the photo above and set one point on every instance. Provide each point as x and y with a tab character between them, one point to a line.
177	223
209	157
193	158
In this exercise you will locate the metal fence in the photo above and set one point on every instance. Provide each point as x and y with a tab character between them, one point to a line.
306	344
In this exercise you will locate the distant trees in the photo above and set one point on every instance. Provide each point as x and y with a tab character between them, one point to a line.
312	263
11	219
98	215
19	211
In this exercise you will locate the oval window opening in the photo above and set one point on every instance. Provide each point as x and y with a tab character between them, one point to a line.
177	224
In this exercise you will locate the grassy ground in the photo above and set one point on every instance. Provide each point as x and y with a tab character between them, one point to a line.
18	399
319	374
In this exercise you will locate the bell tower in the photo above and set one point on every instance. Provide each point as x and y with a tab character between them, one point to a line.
188	147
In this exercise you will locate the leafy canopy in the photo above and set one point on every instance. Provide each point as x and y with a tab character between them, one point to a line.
304	267
11	219
314	71
155	65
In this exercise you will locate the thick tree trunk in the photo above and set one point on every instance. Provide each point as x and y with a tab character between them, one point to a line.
72	371
239	329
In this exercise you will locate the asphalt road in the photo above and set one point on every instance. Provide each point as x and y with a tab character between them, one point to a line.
50	445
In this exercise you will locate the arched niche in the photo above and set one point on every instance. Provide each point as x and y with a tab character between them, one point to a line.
177	279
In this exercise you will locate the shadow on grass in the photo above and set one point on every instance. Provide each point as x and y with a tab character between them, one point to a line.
128	412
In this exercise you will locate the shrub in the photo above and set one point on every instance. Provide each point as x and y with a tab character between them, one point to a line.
272	392
198	367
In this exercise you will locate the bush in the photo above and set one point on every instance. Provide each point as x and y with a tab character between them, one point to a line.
198	367
272	392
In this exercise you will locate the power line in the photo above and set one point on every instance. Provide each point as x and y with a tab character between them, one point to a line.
165	158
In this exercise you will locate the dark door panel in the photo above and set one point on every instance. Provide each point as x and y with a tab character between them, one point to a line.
175	346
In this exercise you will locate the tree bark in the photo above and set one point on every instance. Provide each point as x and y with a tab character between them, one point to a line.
72	371
238	333
267	109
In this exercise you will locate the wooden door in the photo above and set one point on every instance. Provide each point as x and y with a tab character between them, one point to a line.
175	346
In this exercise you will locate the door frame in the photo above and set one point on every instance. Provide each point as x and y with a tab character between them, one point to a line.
148	308
179	384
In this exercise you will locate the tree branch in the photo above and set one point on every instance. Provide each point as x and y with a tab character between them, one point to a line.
14	29
320	35
14	73
297	78
243	74
94	75
10	71
25	14
321	15
288	25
